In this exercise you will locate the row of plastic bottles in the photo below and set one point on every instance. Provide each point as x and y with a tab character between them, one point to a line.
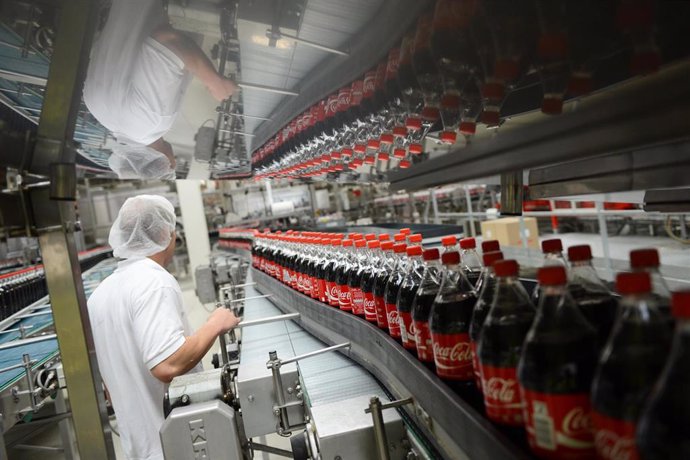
575	371
455	69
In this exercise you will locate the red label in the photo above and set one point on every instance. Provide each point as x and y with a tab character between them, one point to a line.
407	332
369	84
393	320
357	301
369	307
422	338
333	292
392	64
323	296
502	395
344	297
558	425
476	366
381	315
614	439
344	99
453	356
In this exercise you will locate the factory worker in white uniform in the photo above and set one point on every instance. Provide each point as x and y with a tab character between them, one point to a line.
141	333
139	70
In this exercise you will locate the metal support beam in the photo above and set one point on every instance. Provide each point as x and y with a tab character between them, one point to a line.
511	193
54	221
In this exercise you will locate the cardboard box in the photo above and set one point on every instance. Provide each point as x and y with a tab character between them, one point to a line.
507	231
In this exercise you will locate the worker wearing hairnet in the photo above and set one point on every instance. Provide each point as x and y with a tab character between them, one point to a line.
139	70
141	333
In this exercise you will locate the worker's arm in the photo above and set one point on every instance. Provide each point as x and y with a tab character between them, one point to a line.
195	346
195	61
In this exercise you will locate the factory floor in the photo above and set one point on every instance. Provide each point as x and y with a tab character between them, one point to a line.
197	316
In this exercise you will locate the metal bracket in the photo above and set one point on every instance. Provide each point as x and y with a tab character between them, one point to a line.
376	410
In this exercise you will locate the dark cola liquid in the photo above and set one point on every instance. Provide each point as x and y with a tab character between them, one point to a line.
559	362
453	317
502	338
406	298
342	274
599	310
421	306
354	279
368	281
473	276
481	309
392	288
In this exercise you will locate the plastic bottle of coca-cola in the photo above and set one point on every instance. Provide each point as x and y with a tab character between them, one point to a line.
662	430
553	255
647	260
449	243
487	247
471	262
381	275
628	367
591	294
449	322
354	279
555	373
490	246
370	270
331	272
390	293
408	288
552	54
500	345
485	298
421	305
636	20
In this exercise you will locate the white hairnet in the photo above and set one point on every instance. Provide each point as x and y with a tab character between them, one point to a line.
134	161
143	227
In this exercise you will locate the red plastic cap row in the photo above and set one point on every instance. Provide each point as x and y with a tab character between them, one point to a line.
633	283
387	245
347	243
490	257
490	246
384	237
468	243
450	258
399	248
579	253
680	304
414	251
374	244
370	236
551	246
431	254
505	268
399	237
552	276
360	243
449	240
416	238
644	258
405	231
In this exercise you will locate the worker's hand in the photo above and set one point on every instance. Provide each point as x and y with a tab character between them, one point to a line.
223	319
222	88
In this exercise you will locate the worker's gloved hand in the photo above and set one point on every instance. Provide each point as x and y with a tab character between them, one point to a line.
222	88
223	319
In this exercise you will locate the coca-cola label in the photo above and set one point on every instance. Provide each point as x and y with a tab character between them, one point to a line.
558	425
393	320
381	315
333	292
393	64
407	332
614	439
344	297
369	84
425	351
453	356
344	99
502	395
369	307
331	105
321	290
476	365
357	301
357	92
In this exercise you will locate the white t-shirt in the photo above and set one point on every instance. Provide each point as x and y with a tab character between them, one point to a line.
134	85
138	321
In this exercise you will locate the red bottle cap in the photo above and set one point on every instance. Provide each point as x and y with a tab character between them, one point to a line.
449	240
580	84
347	243
360	148
552	276
633	283
384	237
355	236
431	114
494	91
491	118
370	160
450	258
414	251
383	156
490	246
360	243
553	46
506	268
374	144
680	304
373	244
370	236
506	69
387	138
387	245
431	254
448	137
347	152
336	242
468	128
552	105
552	245
406	231
468	243
416	238
404	164
399	237
412	123
399	248
490	257
451	101
416	149
399	131
357	162
399	153
579	253
644	258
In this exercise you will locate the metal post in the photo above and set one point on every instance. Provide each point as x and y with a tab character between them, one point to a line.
434	203
511	193
604	232
470	212
379	428
53	211
274	364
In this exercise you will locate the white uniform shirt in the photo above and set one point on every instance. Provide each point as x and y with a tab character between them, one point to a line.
134	85
138	321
